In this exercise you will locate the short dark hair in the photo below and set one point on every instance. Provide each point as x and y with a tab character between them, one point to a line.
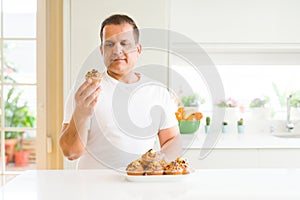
119	19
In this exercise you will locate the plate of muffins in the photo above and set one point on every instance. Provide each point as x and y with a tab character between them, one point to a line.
152	167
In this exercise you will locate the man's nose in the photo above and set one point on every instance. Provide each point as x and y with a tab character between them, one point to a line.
118	49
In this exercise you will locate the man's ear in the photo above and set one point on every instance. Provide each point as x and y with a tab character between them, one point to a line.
139	49
101	49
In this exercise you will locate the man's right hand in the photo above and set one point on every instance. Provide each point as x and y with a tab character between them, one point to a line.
74	134
86	98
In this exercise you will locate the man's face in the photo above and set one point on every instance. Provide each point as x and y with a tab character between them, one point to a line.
119	49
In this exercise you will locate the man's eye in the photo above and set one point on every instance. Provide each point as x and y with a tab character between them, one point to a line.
125	43
109	44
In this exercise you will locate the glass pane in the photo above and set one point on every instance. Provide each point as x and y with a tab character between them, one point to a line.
19	61
189	85
245	83
19	18
20	106
267	84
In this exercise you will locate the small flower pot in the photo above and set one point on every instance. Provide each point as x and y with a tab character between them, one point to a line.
10	145
241	128
21	158
224	128
207	129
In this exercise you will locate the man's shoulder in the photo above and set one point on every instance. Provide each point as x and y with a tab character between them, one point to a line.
149	80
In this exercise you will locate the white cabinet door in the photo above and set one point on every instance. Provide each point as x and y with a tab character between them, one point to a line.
223	158
237	21
245	158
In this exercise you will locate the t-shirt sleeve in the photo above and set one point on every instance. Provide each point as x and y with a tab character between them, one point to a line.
170	109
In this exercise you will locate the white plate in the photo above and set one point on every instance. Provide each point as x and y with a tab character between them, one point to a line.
159	178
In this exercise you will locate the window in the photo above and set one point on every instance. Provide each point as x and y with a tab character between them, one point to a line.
272	82
18	83
244	83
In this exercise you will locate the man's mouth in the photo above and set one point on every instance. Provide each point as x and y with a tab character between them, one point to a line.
119	59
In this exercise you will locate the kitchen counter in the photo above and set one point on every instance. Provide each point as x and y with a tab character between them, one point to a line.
247	140
108	184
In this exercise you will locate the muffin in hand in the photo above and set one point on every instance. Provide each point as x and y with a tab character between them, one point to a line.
94	75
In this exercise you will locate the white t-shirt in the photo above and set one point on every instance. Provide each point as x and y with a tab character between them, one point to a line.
126	121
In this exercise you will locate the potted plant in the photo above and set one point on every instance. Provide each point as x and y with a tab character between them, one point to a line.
259	102
207	124
294	101
16	115
6	158
192	101
259	109
10	145
224	127
230	108
188	121
240	126
21	155
228	103
295	105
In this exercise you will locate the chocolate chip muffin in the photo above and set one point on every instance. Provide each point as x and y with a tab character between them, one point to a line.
135	168
154	168
173	168
94	75
184	165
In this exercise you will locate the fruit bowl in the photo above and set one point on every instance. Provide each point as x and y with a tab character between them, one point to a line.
188	126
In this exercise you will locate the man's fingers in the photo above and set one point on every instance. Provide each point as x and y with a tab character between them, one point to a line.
92	97
87	89
84	85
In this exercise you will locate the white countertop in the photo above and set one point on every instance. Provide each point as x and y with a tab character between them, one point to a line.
240	141
107	184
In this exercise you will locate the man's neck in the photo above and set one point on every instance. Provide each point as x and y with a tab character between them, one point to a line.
131	77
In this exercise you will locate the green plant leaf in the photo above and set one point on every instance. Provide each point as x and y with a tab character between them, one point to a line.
16	114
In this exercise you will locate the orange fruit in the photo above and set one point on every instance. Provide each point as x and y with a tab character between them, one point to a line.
178	116
191	117
198	115
180	109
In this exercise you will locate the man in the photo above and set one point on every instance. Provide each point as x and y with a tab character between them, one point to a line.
96	130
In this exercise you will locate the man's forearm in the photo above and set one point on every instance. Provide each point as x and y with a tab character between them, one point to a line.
74	137
172	148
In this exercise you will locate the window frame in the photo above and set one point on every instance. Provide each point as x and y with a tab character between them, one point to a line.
40	85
